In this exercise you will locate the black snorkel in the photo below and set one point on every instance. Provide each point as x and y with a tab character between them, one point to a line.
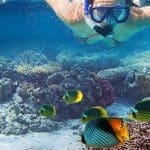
105	30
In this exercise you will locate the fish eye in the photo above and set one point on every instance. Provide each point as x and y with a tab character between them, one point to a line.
42	111
134	114
66	96
83	118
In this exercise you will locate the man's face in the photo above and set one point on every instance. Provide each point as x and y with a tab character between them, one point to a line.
107	14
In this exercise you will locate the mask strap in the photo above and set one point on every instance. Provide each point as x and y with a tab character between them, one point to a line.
130	3
87	3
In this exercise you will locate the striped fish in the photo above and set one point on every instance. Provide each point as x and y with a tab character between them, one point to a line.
143	105
141	115
141	110
98	133
93	113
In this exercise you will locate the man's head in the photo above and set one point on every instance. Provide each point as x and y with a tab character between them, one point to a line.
107	13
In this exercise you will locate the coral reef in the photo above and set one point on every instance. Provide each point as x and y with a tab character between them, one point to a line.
45	69
92	61
31	63
115	75
36	85
124	82
139	138
6	67
96	92
133	76
39	82
19	117
32	58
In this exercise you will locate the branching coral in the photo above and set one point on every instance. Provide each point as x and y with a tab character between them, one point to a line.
30	70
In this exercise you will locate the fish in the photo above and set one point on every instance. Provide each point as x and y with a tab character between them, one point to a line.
141	110
93	113
48	111
73	96
105	132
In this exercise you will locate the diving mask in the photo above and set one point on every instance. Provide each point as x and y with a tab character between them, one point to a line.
118	13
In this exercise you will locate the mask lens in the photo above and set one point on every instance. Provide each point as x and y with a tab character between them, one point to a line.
121	13
98	14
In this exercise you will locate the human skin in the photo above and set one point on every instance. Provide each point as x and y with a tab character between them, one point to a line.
73	16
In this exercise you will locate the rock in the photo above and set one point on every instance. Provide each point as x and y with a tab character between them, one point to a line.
114	76
6	88
132	80
32	58
92	61
55	78
143	82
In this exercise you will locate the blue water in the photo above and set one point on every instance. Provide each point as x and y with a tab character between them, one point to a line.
33	25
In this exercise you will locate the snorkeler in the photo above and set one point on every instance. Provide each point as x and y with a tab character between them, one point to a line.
111	21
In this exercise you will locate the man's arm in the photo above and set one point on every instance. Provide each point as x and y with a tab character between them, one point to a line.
69	12
141	16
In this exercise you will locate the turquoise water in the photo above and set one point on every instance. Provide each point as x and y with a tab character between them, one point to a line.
40	59
34	24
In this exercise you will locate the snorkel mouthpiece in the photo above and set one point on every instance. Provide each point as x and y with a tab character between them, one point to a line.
106	30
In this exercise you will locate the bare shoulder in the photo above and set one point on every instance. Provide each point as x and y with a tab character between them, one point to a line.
70	11
74	12
140	13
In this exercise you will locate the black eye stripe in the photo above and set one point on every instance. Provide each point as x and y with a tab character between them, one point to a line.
134	114
122	124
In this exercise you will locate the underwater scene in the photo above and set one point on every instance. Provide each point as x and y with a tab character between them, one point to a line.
59	93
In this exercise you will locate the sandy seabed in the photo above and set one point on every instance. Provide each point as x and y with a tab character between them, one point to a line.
58	140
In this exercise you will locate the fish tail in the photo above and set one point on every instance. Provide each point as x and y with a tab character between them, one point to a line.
79	96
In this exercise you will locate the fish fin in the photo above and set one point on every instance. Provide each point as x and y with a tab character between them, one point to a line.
64	97
102	110
123	134
54	110
79	96
120	128
116	123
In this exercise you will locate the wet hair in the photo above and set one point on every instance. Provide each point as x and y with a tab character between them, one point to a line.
91	1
